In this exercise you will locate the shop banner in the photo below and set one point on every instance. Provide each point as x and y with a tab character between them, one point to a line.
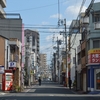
94	51
94	56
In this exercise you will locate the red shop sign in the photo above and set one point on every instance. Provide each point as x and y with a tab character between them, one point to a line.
94	58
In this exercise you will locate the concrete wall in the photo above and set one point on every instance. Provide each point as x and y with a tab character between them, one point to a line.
11	28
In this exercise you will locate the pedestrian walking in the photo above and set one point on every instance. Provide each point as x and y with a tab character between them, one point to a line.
70	83
39	81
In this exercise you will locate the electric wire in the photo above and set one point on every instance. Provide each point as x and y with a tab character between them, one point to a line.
36	7
76	23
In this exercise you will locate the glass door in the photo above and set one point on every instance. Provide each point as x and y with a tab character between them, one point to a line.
98	81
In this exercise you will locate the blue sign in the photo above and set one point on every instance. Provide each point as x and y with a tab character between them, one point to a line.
12	64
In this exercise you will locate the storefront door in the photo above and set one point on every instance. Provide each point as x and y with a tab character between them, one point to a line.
97	79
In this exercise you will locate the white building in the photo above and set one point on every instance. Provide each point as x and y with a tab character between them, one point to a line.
32	53
72	64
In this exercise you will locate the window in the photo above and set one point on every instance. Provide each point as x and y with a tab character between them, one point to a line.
33	41
88	45
98	80
28	39
96	43
96	17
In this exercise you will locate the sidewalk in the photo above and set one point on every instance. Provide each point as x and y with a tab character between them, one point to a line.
94	92
82	92
28	88
78	91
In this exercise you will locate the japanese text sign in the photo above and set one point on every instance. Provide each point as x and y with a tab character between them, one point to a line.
94	56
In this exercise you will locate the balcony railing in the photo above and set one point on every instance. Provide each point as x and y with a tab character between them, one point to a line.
83	62
3	3
97	26
2	12
14	42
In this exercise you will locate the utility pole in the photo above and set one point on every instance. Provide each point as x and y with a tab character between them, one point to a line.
66	48
58	60
75	69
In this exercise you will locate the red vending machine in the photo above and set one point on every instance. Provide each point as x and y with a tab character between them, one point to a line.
7	80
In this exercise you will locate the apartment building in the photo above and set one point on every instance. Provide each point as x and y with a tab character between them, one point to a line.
88	56
2	6
43	64
43	60
82	54
32	53
93	48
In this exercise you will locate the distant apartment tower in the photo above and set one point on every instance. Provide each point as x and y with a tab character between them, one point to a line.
43	60
2	6
32	36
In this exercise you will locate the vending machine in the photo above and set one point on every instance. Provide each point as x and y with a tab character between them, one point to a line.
7	80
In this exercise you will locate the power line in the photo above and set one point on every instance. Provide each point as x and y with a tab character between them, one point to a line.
73	41
35	7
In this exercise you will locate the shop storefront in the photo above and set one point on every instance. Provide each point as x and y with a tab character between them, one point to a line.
93	71
97	79
94	78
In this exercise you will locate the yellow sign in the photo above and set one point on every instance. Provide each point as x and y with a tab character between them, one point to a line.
94	51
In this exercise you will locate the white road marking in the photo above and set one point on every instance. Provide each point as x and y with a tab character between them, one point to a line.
28	90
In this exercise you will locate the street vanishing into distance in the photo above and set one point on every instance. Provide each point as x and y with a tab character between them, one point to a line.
48	91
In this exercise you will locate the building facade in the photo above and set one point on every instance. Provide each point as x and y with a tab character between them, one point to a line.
15	61
93	46
3	57
88	56
43	65
32	53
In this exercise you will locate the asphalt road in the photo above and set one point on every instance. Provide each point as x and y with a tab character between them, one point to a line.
48	91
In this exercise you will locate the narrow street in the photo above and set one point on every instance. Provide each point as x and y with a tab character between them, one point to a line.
48	91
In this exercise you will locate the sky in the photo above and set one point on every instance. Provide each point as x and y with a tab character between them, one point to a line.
42	15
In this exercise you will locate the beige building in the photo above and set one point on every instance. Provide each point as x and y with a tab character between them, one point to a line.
43	65
43	60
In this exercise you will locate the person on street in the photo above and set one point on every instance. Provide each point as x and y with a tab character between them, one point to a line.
39	81
70	82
